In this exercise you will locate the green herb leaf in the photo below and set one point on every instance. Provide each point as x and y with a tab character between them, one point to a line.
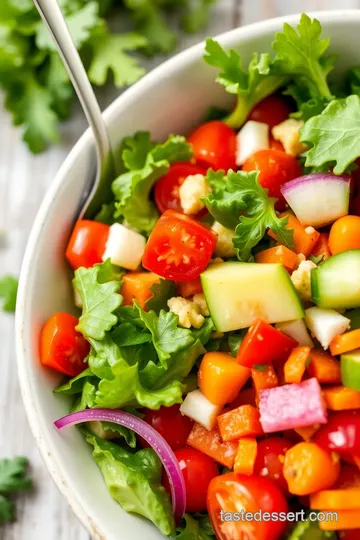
8	292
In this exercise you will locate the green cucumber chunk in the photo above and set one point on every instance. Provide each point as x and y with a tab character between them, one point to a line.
335	283
238	293
350	369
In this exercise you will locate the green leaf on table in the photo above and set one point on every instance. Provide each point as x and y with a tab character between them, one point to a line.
134	481
13	475
197	15
60	88
334	135
8	292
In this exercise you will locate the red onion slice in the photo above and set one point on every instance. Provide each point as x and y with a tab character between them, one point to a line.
151	436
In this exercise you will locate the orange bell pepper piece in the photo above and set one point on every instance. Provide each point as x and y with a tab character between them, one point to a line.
136	286
304	242
345	342
189	288
246	456
322	247
295	365
263	380
280	255
336	499
241	422
221	378
211	444
324	367
346	519
341	398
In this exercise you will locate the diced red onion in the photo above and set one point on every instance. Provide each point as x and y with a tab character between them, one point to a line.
151	436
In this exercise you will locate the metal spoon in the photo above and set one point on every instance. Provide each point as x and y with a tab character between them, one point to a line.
99	188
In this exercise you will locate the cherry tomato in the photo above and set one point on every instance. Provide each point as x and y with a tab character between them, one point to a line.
272	111
214	144
233	493
171	424
61	347
87	243
276	168
341	434
166	191
276	145
270	460
198	470
345	234
179	248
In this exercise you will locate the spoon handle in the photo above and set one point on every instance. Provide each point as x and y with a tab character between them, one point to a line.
55	22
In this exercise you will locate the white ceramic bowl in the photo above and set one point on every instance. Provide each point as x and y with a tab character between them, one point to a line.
170	99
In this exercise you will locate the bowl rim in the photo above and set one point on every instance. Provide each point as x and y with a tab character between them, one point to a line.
24	368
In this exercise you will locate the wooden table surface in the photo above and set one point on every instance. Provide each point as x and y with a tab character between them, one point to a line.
24	178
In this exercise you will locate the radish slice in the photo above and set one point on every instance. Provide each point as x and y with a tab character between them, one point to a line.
318	199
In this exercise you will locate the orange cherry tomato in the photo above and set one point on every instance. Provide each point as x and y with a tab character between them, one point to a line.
61	347
236	492
272	111
345	234
276	168
309	468
214	145
87	243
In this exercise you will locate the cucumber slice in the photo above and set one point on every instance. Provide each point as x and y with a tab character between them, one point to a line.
350	369
238	293
335	283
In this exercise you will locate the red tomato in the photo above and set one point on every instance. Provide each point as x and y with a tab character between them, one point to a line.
341	434
272	111
235	492
171	424
214	144
61	347
87	243
179	248
198	471
166	191
276	168
270	460
276	145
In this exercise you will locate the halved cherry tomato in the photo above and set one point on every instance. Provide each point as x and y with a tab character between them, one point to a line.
198	470
272	111
61	347
179	248
87	243
276	168
236	493
214	145
345	234
270	460
166	192
171	424
341	434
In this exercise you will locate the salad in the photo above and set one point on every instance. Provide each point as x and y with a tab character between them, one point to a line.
214	363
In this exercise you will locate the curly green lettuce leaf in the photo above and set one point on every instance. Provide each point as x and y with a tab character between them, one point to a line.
250	86
8	292
161	292
194	529
134	481
353	80
76	384
86	400
334	135
132	188
99	299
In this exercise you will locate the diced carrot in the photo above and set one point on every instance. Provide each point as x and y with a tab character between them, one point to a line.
295	365
210	443
345	342
136	286
246	456
221	378
307	432
246	397
304	242
346	519
189	288
241	422
341	398
322	247
278	254
335	499
324	367
263	380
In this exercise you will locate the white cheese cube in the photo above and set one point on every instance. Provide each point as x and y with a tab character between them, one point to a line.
124	247
224	243
200	409
253	136
296	330
325	324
